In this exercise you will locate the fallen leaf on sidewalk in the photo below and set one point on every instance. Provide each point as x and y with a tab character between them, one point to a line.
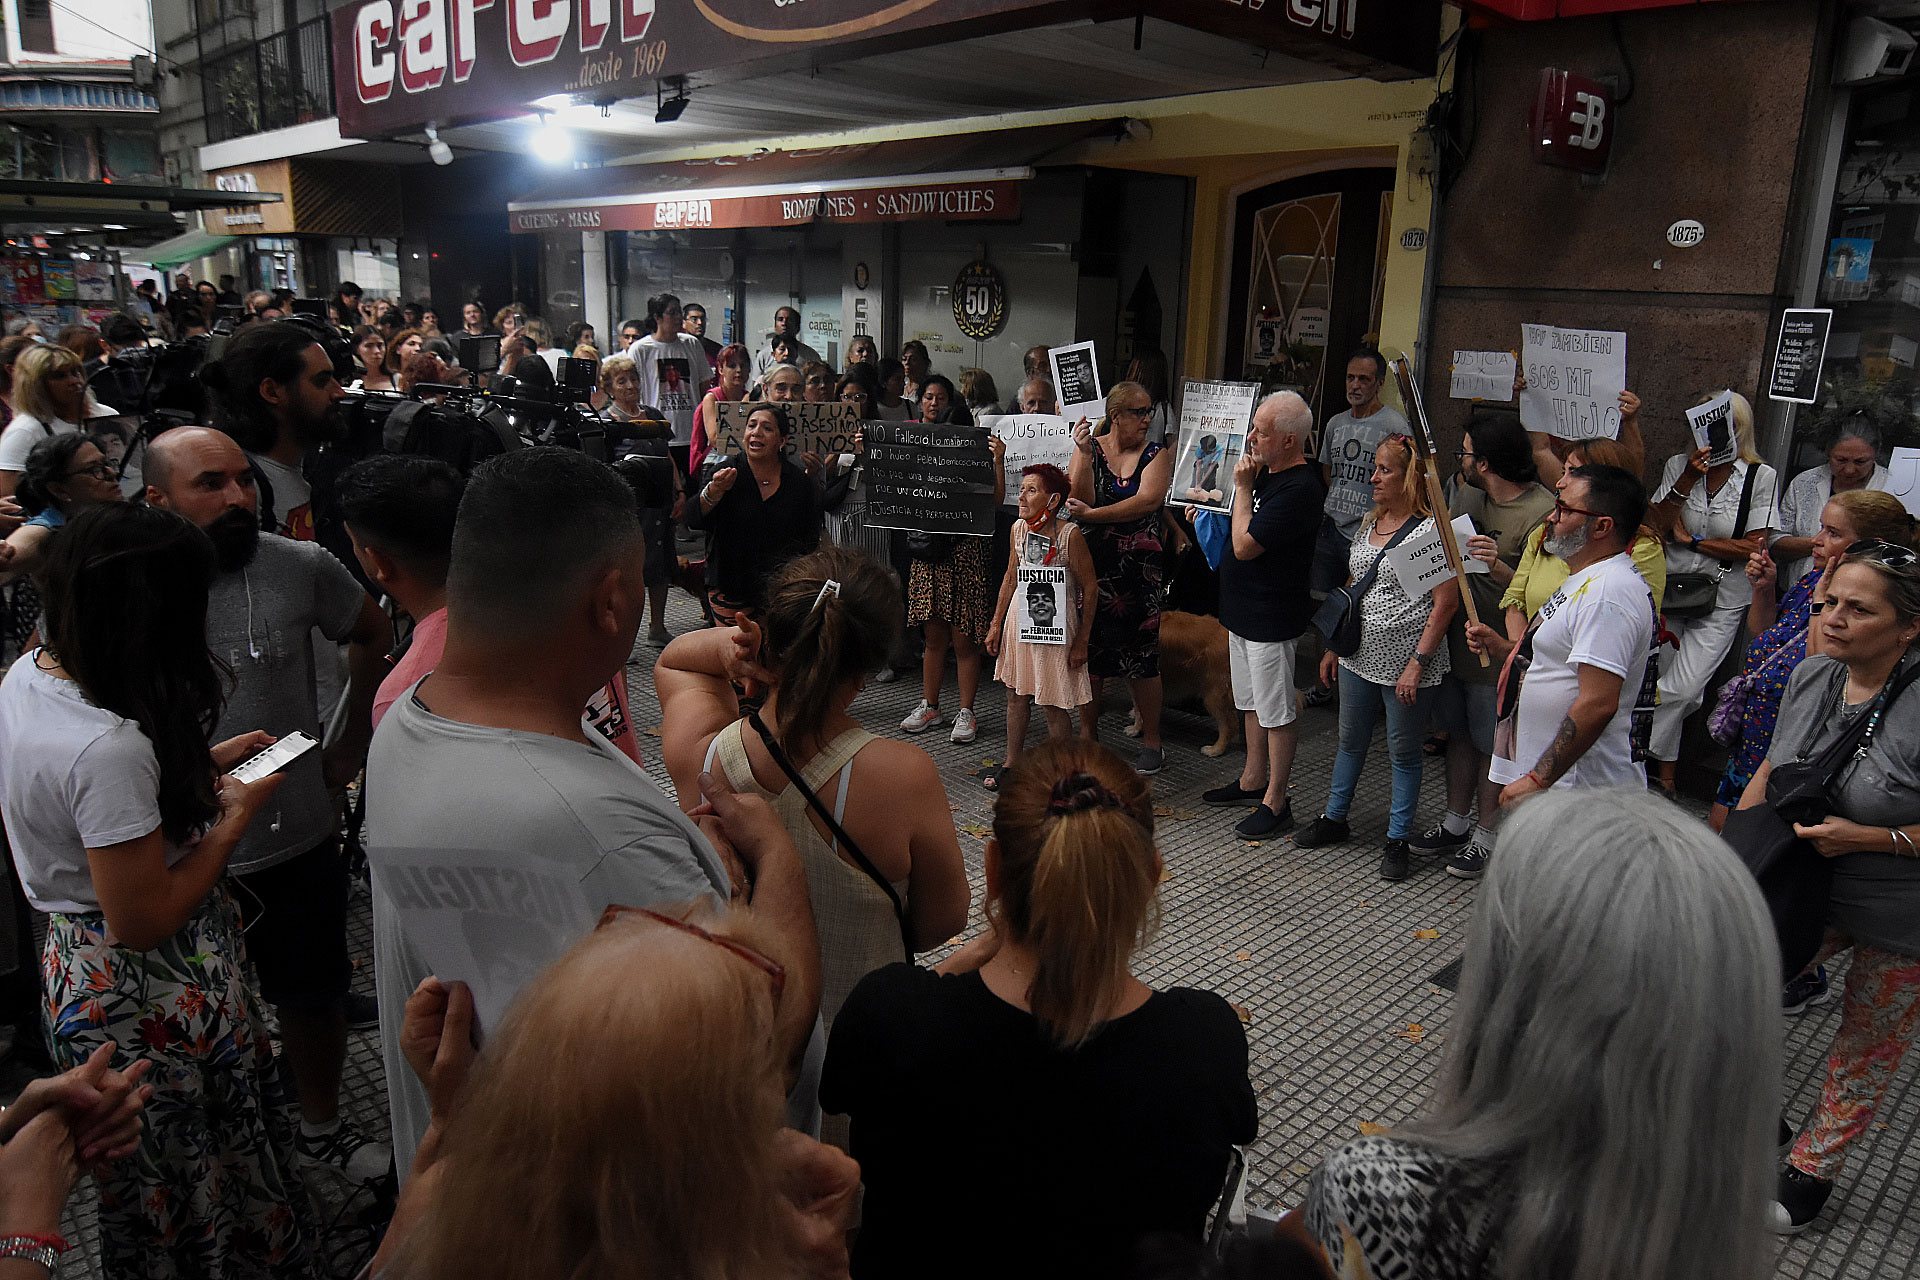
1242	1012
1414	1033
1426	933
1368	1129
1163	811
989	764
653	732
1184	815
1243	956
978	830
1165	874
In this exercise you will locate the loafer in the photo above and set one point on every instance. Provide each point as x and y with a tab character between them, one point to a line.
1264	822
1321	832
1233	793
1394	861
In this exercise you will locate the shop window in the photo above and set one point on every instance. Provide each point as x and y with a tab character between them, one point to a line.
1870	276
36	25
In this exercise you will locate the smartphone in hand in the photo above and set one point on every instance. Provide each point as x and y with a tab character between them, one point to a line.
275	758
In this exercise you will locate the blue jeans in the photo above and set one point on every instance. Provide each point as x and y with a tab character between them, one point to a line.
1361	702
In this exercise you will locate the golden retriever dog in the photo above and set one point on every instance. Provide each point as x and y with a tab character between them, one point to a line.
1193	667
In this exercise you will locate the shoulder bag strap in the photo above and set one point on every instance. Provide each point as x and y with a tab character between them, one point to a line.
833	826
1746	501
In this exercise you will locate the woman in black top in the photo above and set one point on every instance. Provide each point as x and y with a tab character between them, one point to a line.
1031	1108
762	511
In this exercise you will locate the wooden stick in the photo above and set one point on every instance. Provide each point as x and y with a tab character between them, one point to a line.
1436	494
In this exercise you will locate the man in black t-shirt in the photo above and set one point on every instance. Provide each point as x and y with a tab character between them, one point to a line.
1266	602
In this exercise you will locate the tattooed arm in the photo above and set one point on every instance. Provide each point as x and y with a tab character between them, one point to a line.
1593	707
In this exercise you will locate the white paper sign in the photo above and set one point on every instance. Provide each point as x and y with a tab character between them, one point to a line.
490	920
1903	479
1421	563
1483	375
1031	438
1462	530
1574	381
1214	417
1040	591
1712	425
1076	380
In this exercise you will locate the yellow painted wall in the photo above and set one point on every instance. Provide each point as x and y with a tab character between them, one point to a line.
1231	142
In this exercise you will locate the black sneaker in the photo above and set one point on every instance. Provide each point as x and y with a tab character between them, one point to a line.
1810	988
1264	822
1798	1201
1321	832
1431	844
1394	863
346	1151
1233	793
1470	863
363	1012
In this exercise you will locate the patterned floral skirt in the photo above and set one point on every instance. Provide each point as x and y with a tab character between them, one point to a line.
1130	562
956	590
212	1191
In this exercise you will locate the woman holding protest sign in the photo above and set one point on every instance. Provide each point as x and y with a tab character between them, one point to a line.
762	511
1714	516
1120	480
1040	636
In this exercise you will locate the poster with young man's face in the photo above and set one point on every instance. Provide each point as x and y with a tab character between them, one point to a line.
675	382
1041	590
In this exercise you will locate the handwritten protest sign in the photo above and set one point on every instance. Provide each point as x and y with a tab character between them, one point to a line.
1076	381
1031	438
1041	593
1213	434
1574	381
1712	425
1421	563
824	429
1483	375
931	477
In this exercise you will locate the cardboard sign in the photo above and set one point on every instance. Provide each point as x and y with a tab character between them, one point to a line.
1712	425
1076	382
1574	381
1040	592
1031	438
1483	375
1799	356
825	429
932	477
1421	562
1214	417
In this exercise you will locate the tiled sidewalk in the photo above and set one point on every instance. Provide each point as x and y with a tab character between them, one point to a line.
1344	1025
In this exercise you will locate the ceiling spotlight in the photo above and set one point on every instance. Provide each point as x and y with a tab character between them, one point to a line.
552	144
437	150
667	110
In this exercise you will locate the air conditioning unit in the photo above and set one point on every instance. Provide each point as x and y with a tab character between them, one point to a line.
1872	51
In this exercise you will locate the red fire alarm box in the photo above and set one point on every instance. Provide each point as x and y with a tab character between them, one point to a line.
1572	122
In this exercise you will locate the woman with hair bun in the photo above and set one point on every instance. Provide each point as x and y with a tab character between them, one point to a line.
1031	1108
830	618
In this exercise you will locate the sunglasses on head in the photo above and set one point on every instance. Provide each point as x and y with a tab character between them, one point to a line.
1890	554
766	964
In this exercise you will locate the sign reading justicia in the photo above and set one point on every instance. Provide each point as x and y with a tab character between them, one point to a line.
400	64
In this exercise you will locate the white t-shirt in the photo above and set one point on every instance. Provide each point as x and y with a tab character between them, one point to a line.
26	431
1705	515
673	375
1600	617
73	777
292	498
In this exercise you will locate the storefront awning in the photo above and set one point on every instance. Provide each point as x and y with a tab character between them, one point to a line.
971	177
185	247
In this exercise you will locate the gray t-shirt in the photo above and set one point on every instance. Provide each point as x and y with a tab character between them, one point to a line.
260	622
1875	896
581	813
1346	448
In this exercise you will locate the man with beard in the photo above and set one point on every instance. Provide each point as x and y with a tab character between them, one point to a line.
1568	696
1500	491
289	877
275	392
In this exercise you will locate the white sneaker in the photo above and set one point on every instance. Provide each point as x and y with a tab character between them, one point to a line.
962	726
924	717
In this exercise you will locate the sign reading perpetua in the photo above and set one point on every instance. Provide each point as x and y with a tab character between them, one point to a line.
399	64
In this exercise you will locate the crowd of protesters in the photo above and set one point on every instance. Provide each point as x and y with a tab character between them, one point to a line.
745	1040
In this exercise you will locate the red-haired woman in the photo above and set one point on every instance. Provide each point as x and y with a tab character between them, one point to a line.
1039	665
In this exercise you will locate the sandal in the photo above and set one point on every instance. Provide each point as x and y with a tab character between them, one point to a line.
1435	745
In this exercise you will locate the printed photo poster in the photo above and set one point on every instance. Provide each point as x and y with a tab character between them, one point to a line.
1040	590
1076	382
1030	438
93	281
25	274
57	279
1574	381
823	429
1712	425
674	378
1214	417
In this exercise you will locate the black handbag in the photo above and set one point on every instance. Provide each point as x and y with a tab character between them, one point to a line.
1693	593
929	548
1793	877
1338	617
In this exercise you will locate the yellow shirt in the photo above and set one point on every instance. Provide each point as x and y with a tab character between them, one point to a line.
1541	574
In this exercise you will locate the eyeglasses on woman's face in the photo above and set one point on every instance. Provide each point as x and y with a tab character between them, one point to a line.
101	470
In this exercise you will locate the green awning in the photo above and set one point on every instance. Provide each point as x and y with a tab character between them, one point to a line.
185	247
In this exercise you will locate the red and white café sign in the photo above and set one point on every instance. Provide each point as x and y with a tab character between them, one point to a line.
399	64
885	200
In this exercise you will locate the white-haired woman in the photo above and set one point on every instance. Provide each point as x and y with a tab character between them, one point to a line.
1580	1129
1853	463
1714	517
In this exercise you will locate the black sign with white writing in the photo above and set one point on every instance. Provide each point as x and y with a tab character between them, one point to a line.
929	476
1798	357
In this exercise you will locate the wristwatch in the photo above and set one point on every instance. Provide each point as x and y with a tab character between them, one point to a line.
1422	658
1694	543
